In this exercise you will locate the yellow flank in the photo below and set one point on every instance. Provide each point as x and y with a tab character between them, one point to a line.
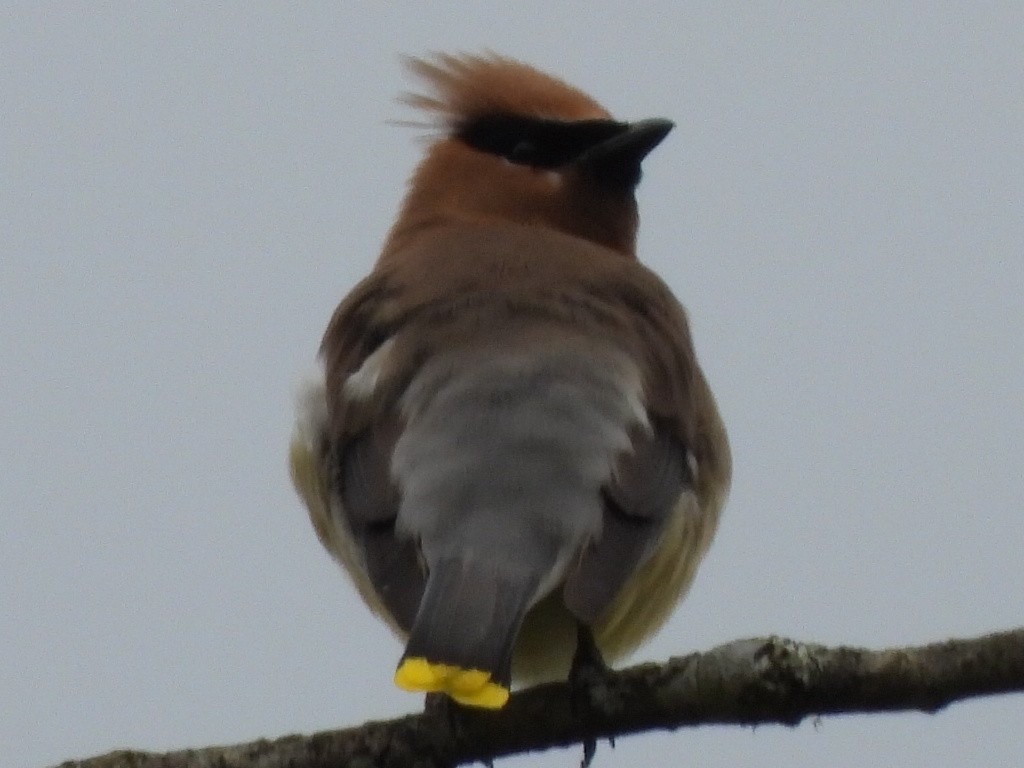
308	480
471	687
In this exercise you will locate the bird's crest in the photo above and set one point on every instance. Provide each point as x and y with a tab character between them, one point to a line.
464	87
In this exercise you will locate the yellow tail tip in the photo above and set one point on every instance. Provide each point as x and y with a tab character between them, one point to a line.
418	674
470	687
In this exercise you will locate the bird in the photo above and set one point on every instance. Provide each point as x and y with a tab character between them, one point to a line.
508	442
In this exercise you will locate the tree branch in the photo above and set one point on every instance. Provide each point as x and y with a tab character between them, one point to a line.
746	682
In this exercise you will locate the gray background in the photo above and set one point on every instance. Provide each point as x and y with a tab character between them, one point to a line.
187	193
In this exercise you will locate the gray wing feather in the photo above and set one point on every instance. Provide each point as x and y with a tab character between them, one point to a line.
370	502
638	501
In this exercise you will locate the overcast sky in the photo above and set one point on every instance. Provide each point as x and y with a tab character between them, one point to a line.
186	193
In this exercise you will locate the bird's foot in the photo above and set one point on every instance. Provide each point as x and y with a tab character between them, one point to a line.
589	678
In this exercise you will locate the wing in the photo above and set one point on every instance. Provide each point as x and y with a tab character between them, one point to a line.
663	502
646	487
340	459
369	504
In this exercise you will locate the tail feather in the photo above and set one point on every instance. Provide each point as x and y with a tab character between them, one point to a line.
461	642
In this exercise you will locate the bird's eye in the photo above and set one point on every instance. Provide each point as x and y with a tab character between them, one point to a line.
523	152
536	142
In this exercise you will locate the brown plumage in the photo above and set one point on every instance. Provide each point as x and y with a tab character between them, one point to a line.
508	296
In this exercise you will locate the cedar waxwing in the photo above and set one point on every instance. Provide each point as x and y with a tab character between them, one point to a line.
512	441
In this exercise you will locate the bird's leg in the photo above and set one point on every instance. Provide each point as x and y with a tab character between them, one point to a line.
449	714
437	705
588	665
445	712
588	675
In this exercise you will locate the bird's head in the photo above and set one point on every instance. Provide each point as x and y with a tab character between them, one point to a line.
520	146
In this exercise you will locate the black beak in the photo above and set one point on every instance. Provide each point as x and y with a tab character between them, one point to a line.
615	162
